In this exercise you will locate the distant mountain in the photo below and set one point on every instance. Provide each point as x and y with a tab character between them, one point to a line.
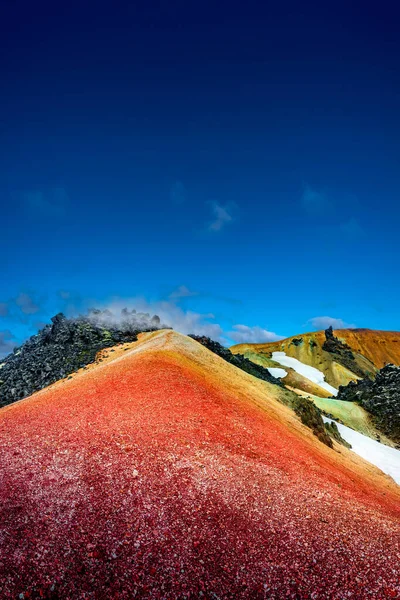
338	358
164	471
371	350
342	355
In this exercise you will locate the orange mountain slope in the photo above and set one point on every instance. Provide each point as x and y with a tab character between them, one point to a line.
380	347
165	472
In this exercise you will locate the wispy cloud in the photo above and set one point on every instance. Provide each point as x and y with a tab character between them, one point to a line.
252	335
19	308
49	203
182	292
178	192
315	202
352	229
222	216
341	207
64	294
27	304
7	342
325	322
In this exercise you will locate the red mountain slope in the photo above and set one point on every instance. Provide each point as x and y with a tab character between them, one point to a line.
165	472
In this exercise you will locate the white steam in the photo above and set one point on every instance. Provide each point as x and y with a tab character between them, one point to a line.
169	313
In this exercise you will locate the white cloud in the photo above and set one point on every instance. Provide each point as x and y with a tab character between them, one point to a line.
187	321
222	216
325	322
253	335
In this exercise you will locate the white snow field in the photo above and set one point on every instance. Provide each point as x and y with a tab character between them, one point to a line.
311	373
385	458
276	372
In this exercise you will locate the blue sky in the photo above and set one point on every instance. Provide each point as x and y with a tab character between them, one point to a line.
234	164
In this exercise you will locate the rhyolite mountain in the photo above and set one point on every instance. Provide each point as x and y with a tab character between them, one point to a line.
162	470
342	355
357	362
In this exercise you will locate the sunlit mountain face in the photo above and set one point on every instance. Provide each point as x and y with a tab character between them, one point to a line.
163	466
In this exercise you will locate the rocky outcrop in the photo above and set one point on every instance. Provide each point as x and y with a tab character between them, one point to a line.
341	352
381	398
64	346
311	416
333	431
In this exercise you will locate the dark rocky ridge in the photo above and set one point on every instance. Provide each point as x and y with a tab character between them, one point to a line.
342	352
65	346
238	360
381	398
309	414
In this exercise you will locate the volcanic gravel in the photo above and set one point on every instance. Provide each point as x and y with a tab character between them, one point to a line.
152	476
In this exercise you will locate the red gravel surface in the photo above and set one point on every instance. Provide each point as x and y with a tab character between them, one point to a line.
144	477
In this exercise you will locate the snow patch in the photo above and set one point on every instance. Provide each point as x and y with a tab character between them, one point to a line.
385	458
276	372
310	373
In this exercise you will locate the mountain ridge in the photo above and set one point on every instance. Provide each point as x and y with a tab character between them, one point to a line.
165	470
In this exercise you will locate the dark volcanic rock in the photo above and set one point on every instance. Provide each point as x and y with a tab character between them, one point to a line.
342	352
333	345
65	346
333	431
311	416
381	398
238	360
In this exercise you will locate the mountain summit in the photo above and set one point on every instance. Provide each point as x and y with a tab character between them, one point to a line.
66	345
